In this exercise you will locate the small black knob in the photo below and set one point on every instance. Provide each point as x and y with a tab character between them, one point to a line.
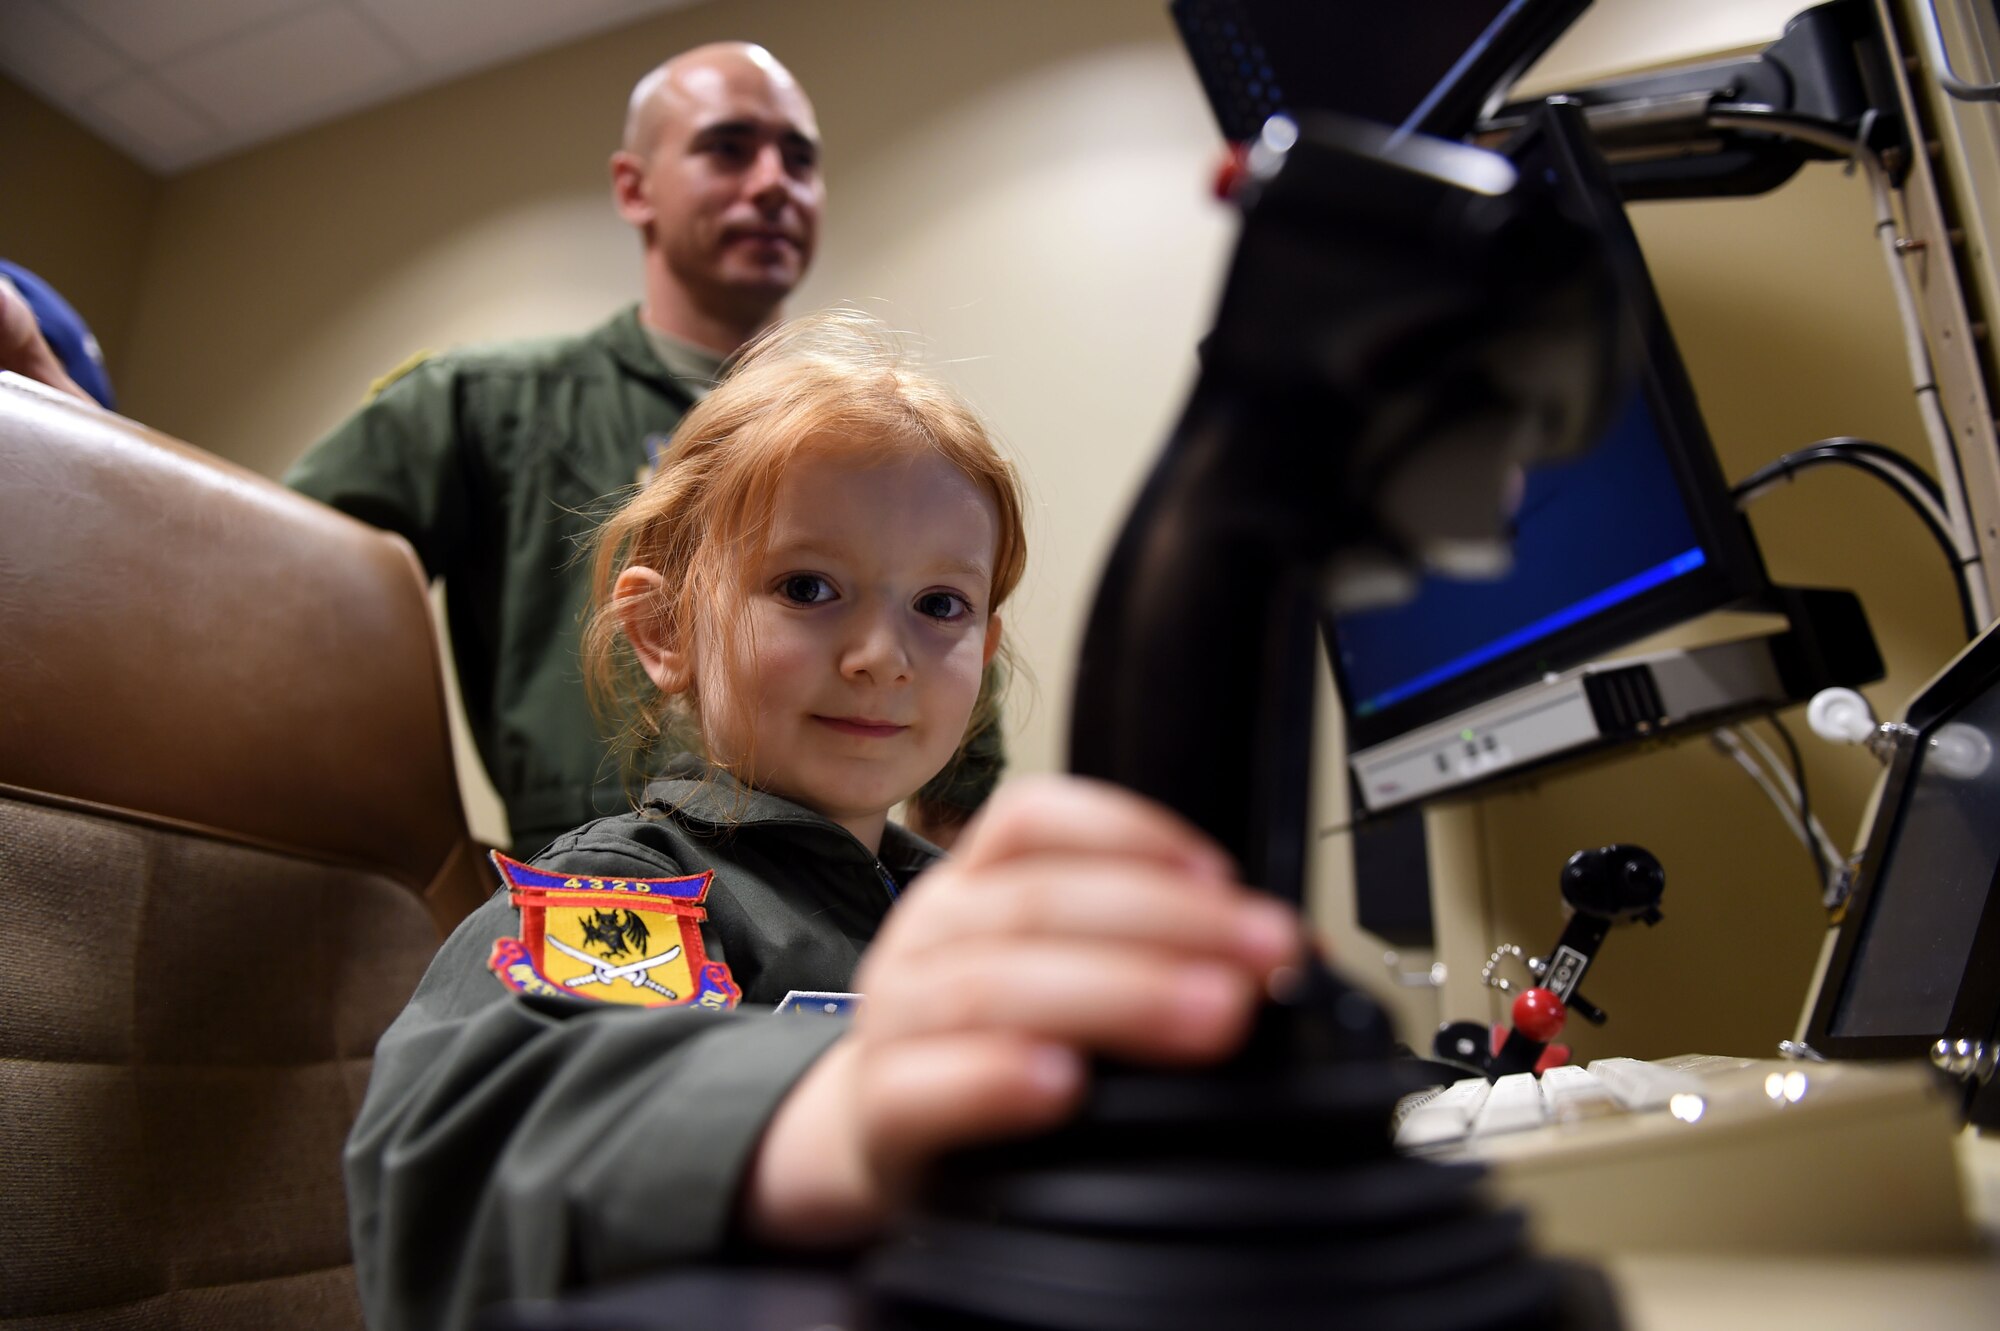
1615	883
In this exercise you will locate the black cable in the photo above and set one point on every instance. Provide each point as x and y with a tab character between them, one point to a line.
1828	454
1816	130
1805	804
1848	446
1895	457
1807	458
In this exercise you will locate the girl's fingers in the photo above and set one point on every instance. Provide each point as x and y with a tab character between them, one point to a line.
922	1097
1136	1003
1136	902
1074	816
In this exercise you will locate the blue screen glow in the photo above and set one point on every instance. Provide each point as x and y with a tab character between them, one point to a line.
1591	533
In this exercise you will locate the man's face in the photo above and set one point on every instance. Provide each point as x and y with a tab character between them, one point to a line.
869	625
729	189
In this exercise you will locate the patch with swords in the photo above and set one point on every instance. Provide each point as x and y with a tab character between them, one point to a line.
616	940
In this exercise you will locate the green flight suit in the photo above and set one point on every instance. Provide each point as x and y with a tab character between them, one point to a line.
512	1146
496	463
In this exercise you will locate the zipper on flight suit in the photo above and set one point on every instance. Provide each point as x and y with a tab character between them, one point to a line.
882	871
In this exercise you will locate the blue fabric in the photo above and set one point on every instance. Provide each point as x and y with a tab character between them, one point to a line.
67	334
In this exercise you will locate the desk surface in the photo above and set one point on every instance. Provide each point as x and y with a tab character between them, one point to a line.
1668	1292
1720	1290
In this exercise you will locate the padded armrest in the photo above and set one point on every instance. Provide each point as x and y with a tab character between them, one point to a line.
188	643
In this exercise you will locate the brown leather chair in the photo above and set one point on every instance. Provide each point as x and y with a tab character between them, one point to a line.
230	838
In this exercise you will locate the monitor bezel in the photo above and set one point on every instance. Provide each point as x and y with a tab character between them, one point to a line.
1733	573
1517	35
1976	1005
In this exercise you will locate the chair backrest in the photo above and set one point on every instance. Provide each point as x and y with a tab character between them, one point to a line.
230	837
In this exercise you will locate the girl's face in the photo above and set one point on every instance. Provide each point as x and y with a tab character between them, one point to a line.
869	626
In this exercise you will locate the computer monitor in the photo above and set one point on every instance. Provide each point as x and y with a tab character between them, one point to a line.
1916	957
1636	535
1430	67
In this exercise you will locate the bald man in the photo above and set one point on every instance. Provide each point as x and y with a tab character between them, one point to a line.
493	460
719	174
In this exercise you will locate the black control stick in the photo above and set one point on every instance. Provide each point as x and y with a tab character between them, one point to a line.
1402	326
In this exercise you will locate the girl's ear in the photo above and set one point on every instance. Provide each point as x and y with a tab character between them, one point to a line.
639	597
992	638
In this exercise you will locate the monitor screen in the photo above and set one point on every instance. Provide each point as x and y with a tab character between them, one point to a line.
1912	961
1932	885
1456	627
1637	534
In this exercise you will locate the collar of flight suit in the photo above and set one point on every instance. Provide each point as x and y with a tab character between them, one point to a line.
628	344
707	798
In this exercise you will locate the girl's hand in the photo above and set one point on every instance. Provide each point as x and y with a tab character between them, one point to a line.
1076	919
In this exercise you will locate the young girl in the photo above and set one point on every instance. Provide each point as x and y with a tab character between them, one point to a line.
805	596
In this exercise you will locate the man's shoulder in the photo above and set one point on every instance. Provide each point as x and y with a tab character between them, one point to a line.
587	354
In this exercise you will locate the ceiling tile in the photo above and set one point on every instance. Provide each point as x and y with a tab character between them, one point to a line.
445	35
229	73
151	32
51	53
151	122
285	75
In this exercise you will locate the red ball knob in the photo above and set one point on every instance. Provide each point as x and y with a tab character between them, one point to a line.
1539	1015
1231	171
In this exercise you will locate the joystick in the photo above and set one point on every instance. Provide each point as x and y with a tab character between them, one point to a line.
1392	302
1603	887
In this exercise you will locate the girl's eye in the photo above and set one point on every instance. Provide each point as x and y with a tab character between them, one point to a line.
806	589
943	606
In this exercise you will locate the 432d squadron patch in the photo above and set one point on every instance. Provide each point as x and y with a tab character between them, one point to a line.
616	940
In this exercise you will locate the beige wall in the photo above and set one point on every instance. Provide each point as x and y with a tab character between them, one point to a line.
77	212
1023	186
